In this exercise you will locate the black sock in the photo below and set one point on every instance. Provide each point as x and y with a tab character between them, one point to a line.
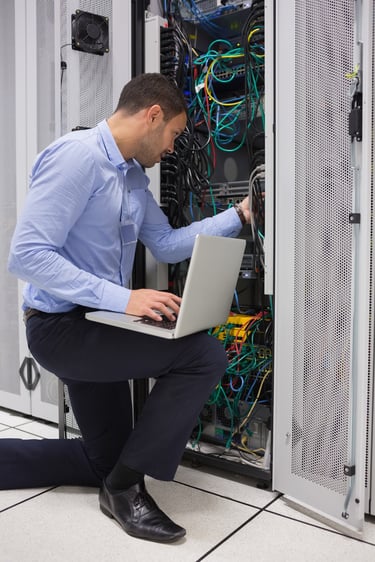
122	477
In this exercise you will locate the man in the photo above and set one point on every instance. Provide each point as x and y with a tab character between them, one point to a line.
74	244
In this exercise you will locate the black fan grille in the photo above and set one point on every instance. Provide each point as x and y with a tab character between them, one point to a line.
90	33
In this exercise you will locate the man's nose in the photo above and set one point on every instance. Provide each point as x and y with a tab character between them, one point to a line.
170	149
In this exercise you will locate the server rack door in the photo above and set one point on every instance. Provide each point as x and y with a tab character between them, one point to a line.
18	94
49	89
366	159
75	88
321	261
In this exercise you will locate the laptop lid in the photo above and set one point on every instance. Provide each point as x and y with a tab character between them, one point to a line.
208	293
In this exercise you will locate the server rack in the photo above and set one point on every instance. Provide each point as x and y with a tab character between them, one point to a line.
234	429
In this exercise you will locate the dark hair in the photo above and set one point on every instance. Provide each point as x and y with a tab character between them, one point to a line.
149	89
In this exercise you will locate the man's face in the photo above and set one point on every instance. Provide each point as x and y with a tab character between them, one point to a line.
160	140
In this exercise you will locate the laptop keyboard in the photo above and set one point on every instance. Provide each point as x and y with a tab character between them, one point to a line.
164	323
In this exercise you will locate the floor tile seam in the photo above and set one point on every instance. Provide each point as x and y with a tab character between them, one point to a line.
15	413
28	499
13	426
266	511
46	423
220	495
19	415
232	533
316	526
33	434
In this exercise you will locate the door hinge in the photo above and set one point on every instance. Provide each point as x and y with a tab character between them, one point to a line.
29	373
349	469
355	218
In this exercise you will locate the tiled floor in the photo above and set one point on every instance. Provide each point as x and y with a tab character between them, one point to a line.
227	518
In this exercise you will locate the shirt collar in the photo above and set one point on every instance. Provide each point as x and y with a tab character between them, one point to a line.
117	159
111	148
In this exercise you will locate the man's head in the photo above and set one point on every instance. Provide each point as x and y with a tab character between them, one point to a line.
150	115
150	89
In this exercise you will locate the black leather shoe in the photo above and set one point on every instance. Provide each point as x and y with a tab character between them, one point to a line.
138	514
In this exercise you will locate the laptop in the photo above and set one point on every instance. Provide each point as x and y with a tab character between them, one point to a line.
207	296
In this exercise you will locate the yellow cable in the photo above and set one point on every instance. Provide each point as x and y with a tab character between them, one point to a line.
228	104
244	421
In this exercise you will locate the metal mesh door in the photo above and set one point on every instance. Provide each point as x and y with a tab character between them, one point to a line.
9	330
323	243
321	262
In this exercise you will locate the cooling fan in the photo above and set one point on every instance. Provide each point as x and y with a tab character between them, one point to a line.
90	33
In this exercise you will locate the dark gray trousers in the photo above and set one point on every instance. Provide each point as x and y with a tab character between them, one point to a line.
96	362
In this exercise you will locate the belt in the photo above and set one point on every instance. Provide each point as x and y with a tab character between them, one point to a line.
29	312
77	310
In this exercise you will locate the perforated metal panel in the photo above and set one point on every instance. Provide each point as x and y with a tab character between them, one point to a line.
91	99
370	425
323	345
47	127
323	243
96	102
9	353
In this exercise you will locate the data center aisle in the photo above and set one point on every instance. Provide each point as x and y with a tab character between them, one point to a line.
227	518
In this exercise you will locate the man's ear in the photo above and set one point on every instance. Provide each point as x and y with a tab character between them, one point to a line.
155	113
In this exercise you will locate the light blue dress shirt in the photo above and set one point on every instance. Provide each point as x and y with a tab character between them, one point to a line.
86	207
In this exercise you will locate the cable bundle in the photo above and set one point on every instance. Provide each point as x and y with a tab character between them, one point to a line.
253	45
184	174
219	94
256	198
224	91
246	385
174	54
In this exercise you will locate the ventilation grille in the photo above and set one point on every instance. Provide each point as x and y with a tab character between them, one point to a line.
323	243
95	72
370	383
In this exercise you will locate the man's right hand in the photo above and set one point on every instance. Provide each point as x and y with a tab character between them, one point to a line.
145	302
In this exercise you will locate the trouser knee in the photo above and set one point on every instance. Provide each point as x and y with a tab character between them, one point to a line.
215	358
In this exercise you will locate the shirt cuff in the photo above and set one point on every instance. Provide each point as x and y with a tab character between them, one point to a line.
228	223
114	298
